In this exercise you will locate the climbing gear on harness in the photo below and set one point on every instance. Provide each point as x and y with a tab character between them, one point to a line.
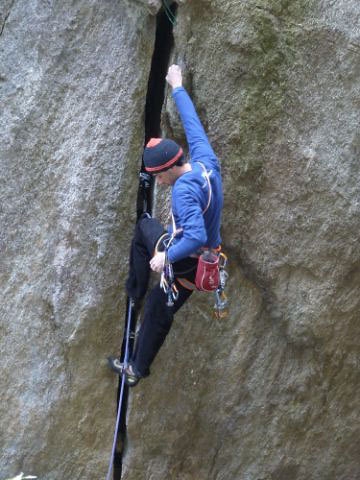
167	281
221	301
131	379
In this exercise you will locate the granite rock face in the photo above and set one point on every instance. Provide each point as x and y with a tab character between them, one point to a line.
269	393
73	77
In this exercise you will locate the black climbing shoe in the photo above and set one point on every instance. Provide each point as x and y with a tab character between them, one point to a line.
131	379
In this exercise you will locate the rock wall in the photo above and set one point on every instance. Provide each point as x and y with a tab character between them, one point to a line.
270	392
73	85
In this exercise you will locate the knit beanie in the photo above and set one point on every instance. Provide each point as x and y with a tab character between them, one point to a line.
160	154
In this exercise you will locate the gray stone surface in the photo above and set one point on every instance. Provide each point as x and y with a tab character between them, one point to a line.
269	393
73	80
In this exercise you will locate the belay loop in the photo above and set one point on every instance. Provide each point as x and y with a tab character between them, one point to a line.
221	301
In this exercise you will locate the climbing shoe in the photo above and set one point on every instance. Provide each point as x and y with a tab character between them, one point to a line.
131	379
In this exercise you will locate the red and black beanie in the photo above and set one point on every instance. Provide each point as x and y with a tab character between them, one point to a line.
160	154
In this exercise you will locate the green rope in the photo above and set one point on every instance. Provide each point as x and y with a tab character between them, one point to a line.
168	12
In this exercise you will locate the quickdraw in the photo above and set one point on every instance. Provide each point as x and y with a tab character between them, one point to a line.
221	300
167	281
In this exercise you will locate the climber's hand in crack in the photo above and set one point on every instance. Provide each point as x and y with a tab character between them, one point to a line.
174	76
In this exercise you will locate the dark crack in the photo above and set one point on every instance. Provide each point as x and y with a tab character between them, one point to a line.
153	109
6	17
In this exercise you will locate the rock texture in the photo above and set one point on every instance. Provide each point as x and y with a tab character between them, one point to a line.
270	393
73	85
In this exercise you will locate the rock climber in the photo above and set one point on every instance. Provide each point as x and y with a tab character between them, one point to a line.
196	202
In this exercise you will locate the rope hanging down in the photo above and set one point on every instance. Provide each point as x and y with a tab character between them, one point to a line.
144	203
170	15
121	396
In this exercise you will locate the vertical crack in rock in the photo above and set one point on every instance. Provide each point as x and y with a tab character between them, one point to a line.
164	42
6	16
160	61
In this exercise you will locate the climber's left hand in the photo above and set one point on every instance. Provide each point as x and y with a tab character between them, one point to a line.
157	262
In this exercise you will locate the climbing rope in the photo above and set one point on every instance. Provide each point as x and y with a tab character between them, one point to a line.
169	12
121	396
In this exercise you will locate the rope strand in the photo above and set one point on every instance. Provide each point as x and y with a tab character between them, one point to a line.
168	12
121	396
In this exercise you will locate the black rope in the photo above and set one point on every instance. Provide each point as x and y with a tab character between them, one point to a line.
154	100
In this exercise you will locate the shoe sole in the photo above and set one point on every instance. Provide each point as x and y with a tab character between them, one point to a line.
112	364
117	367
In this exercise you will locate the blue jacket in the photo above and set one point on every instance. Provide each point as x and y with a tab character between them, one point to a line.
190	193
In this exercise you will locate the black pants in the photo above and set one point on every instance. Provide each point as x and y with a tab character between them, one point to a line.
158	317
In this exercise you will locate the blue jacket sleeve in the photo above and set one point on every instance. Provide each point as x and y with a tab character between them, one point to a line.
191	221
199	146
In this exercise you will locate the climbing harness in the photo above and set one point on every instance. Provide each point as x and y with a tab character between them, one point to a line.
221	300
122	389
211	275
214	280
